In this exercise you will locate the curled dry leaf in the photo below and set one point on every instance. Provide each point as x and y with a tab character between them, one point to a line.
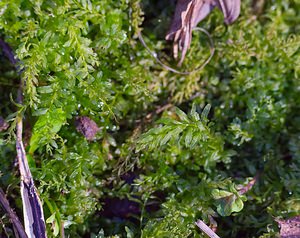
290	228
189	13
86	127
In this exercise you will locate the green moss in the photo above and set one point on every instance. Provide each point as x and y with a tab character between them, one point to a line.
83	58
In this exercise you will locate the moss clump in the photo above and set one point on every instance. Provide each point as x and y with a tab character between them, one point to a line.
239	117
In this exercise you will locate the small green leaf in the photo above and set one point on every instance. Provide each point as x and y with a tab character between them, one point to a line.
45	89
205	112
111	140
166	138
129	233
54	224
183	117
218	194
40	111
238	205
46	127
194	113
188	137
227	202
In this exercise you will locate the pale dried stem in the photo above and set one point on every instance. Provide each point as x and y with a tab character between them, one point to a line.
32	206
206	229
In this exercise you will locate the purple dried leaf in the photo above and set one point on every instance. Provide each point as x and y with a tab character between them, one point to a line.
185	19
290	228
189	13
230	9
86	127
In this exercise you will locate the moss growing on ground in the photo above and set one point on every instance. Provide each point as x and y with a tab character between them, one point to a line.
170	149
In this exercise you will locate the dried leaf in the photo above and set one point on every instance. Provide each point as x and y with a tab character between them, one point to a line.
32	207
290	228
230	9
34	222
189	13
86	127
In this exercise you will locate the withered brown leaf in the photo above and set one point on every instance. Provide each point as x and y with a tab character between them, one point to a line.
189	13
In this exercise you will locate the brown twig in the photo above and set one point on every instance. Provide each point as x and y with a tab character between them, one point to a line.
12	215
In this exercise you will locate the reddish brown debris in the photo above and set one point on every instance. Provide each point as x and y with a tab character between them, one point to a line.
244	189
3	124
290	228
189	13
86	127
